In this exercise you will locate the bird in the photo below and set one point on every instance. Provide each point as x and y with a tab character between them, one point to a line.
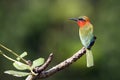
86	36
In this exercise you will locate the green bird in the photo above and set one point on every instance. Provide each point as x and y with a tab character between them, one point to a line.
86	36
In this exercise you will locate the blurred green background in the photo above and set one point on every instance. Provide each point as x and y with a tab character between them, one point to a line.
42	26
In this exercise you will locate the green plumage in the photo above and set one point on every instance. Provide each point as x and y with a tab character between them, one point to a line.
86	36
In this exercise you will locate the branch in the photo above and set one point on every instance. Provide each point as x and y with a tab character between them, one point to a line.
45	65
41	68
60	66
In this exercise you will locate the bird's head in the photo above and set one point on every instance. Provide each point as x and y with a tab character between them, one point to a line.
81	21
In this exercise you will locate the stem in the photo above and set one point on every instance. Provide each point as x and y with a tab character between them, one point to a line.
7	57
30	77
9	50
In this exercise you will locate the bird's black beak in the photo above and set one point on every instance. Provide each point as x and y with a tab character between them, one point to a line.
74	19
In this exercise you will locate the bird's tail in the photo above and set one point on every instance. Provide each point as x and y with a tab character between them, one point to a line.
89	57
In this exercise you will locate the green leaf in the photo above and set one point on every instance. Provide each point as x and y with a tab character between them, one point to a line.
38	62
17	73
22	55
21	66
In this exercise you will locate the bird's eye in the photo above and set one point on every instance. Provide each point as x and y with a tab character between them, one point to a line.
81	19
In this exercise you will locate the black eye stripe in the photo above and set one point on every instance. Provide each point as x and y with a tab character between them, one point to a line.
81	19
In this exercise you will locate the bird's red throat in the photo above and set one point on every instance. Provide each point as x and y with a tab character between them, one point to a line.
82	23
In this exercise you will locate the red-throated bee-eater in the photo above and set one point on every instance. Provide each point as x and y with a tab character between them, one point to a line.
86	36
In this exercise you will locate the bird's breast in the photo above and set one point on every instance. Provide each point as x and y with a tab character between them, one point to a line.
86	35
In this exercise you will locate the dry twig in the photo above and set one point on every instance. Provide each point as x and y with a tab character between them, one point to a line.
44	74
